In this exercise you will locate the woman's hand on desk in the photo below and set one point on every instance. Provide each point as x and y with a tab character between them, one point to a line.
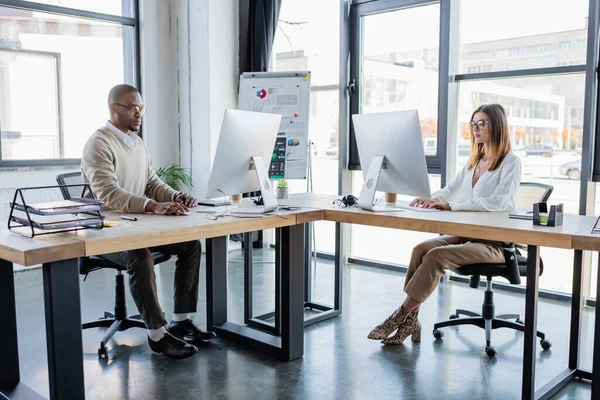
168	208
427	202
186	200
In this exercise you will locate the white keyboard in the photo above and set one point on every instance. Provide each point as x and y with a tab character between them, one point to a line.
249	210
418	209
214	210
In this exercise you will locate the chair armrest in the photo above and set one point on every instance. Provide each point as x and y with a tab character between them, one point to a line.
512	264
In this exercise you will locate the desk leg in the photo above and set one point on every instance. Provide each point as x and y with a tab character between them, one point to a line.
292	288
9	346
531	303
63	329
576	304
596	365
216	281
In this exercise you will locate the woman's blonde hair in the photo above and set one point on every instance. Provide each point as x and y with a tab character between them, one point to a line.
499	144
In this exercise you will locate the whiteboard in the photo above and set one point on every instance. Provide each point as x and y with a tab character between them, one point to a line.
287	94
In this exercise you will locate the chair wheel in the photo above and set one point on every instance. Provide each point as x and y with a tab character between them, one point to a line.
453	316
491	352
103	352
438	334
546	344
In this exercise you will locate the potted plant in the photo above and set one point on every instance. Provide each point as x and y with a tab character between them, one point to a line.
282	189
175	176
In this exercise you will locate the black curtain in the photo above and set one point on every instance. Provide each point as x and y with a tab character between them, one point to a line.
263	16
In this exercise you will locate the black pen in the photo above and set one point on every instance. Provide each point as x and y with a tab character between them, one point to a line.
128	218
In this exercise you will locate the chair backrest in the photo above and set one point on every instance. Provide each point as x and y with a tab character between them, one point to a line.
532	192
70	178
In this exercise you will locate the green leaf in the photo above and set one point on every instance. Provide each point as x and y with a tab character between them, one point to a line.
175	176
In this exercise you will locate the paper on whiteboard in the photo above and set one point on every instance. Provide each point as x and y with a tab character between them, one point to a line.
296	147
277	99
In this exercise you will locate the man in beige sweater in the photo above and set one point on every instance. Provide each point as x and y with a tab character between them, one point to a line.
116	163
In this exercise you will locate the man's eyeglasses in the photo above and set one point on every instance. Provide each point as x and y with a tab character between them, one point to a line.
134	109
477	126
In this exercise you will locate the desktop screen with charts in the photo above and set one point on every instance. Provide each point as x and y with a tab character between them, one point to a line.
277	167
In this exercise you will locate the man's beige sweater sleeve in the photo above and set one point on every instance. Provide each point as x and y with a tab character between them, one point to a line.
158	190
97	164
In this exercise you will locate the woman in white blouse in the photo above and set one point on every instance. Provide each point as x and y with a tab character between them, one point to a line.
489	182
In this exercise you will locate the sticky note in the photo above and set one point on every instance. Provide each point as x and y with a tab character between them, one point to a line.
110	224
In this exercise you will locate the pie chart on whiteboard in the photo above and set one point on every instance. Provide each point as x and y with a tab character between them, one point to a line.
262	93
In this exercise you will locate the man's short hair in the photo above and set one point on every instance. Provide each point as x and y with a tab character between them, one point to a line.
116	93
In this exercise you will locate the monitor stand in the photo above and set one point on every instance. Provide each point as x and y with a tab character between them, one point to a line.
269	200
367	193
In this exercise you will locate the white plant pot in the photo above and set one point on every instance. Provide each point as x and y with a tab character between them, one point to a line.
282	193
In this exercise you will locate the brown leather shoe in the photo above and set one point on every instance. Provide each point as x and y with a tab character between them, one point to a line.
172	347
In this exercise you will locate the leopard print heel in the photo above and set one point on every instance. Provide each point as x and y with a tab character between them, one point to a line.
410	327
391	323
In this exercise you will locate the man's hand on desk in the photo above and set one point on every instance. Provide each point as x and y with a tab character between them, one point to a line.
186	200
427	202
168	208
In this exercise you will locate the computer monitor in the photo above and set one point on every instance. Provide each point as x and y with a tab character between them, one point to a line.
391	153
243	155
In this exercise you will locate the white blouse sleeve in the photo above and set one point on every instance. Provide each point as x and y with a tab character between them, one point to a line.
452	188
505	195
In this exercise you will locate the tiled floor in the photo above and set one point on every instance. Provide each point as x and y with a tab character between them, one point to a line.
339	362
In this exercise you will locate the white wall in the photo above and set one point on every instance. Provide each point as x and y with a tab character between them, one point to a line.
208	36
159	86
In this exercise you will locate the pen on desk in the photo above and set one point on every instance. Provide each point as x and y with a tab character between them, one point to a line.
128	218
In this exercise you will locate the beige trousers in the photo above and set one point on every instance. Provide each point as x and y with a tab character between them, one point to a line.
431	258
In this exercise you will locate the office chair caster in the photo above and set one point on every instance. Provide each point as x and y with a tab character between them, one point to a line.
491	351
453	316
103	352
438	334
546	344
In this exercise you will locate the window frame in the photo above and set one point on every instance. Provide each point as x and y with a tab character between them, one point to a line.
131	62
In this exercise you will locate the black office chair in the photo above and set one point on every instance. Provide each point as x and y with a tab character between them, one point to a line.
117	321
514	267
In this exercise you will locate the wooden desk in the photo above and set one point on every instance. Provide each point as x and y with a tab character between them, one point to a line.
573	234
58	256
64	337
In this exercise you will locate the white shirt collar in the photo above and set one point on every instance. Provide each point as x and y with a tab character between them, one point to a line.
128	138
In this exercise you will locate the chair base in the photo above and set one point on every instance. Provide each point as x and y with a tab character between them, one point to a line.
114	325
488	325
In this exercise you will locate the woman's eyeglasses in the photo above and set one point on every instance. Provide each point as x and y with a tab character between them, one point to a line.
478	126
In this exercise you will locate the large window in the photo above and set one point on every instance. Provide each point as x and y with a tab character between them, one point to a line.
398	74
533	62
55	74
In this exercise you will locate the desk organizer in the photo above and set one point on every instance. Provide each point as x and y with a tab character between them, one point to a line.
555	215
55	217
